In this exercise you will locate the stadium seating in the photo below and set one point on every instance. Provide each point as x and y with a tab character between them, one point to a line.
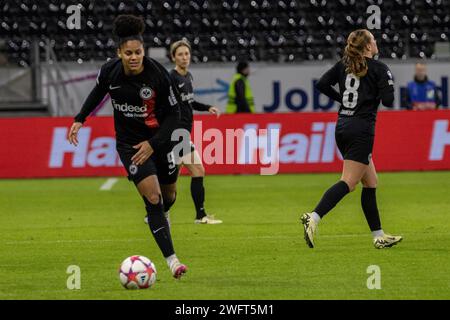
258	30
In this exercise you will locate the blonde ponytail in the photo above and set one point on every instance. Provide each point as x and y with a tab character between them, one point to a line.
353	58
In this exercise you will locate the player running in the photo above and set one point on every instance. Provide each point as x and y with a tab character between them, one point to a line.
363	82
180	52
146	112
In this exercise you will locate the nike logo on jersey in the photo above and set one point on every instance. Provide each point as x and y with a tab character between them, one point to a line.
171	172
155	231
181	85
112	88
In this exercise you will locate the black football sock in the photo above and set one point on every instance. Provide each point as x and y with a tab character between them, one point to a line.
369	206
331	197
159	227
198	195
169	203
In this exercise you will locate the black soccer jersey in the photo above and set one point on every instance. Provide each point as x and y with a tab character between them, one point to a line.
359	97
146	106
186	89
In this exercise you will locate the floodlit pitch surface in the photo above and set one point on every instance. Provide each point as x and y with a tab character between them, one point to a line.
257	253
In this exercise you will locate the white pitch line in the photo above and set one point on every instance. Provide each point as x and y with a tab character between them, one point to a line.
109	184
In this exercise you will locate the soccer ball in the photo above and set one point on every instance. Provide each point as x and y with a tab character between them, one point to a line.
137	272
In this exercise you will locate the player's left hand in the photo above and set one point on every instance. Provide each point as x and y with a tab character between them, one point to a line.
144	152
214	110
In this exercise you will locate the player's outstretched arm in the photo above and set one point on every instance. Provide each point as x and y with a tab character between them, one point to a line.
198	106
92	101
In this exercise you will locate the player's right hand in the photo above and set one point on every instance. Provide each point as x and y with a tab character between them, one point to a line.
214	110
73	133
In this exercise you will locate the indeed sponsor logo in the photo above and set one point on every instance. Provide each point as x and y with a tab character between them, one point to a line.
187	97
128	107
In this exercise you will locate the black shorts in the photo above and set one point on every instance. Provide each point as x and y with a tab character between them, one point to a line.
354	139
161	163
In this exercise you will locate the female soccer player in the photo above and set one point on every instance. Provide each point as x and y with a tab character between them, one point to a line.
363	82
180	52
146	112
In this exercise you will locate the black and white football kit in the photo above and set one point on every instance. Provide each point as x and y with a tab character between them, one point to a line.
359	98
146	107
186	90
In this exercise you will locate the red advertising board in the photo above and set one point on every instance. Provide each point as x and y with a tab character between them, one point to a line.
232	144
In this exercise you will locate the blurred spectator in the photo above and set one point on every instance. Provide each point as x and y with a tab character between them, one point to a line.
422	94
240	96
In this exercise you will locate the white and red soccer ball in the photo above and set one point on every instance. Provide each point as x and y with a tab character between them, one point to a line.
137	272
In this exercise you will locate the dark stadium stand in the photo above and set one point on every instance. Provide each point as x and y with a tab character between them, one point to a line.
258	30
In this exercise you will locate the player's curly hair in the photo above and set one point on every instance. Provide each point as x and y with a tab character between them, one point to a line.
128	27
353	58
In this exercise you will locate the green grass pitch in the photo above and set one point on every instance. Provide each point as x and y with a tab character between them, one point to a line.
257	253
